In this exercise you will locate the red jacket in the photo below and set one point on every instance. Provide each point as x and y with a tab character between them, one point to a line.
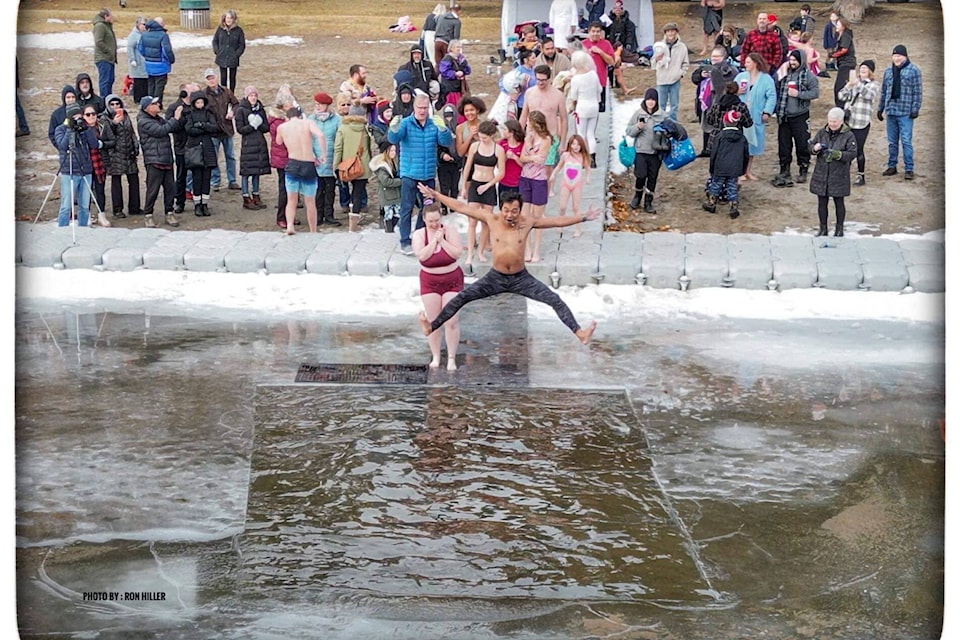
278	152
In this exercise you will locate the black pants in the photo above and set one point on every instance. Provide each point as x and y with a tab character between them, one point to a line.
180	179
792	131
358	192
822	209
860	135
99	193
494	283
646	169
603	99
448	179
326	194
140	89
843	77
201	181
133	191
229	74
157	178
156	85
281	195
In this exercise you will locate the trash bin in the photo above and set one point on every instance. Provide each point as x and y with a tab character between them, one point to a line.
195	14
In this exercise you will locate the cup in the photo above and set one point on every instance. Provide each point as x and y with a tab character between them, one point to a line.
743	86
791	85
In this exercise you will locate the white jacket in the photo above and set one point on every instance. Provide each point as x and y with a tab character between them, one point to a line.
679	61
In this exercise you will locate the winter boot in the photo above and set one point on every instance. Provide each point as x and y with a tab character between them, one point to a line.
734	210
822	232
205	208
354	222
197	206
783	178
838	232
257	203
802	173
148	221
710	205
860	181
330	220
248	203
635	203
171	219
648	203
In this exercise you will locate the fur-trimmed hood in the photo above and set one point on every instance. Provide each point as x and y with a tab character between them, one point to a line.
380	162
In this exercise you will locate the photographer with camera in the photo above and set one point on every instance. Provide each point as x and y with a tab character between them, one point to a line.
74	140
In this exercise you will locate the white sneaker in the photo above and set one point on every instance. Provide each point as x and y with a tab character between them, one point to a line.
172	220
148	221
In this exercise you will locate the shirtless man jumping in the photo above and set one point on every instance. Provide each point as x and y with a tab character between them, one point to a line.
301	173
508	235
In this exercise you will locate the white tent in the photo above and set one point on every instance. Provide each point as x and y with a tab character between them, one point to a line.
519	11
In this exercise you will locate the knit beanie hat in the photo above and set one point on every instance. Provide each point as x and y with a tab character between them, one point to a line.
651	94
796	54
731	118
357	110
382	106
248	90
900	50
74	109
869	64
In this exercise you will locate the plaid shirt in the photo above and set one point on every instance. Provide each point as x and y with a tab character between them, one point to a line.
911	91
859	100
767	44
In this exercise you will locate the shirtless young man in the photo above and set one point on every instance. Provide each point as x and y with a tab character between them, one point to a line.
508	235
300	173
551	102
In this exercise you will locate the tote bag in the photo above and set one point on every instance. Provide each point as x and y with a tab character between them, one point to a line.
627	152
681	154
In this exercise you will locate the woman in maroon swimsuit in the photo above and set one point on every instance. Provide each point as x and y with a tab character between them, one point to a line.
437	247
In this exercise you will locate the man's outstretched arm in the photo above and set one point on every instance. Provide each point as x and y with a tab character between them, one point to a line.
565	221
470	209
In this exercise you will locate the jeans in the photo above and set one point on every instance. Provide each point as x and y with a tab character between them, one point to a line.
81	191
105	76
409	196
726	186
900	130
248	182
230	158
21	116
669	98
358	193
345	198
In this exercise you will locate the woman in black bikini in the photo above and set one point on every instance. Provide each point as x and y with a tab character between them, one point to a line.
481	173
437	247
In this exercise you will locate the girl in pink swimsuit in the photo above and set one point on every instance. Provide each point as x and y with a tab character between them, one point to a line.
572	172
437	247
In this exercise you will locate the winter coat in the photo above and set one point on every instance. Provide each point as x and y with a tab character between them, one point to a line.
179	136
351	135
329	128
401	108
727	102
136	64
228	46
421	74
378	131
154	135
219	99
156	50
121	160
201	128
388	182
622	30
254	151
91	98
859	101
643	137
833	178
679	61
807	85
418	147
729	155
104	41
60	113
278	152
449	83
77	163
448	27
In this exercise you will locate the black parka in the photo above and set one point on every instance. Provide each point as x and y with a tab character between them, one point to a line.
154	135
254	150
121	160
833	178
201	126
228	46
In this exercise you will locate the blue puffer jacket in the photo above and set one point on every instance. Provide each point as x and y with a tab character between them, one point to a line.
418	147
156	49
82	141
329	129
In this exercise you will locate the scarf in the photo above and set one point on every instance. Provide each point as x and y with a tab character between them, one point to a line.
895	89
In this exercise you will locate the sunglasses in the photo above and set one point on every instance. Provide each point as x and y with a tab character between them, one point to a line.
89	113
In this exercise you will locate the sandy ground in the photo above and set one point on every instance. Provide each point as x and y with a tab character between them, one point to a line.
885	205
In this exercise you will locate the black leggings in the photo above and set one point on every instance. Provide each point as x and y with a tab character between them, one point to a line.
229	74
358	189
860	135
495	283
646	168
281	195
822	209
201	180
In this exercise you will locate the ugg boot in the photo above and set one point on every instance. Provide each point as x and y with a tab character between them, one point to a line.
648	203
248	203
635	203
710	205
257	203
802	173
734	210
354	222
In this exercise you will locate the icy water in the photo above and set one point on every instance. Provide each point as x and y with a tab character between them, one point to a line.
710	478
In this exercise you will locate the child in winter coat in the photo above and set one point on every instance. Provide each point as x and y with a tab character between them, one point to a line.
384	167
728	161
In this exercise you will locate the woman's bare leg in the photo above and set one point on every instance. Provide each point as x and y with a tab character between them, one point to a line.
432	304
452	333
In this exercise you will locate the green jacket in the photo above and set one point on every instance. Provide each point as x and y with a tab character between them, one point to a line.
351	135
104	41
